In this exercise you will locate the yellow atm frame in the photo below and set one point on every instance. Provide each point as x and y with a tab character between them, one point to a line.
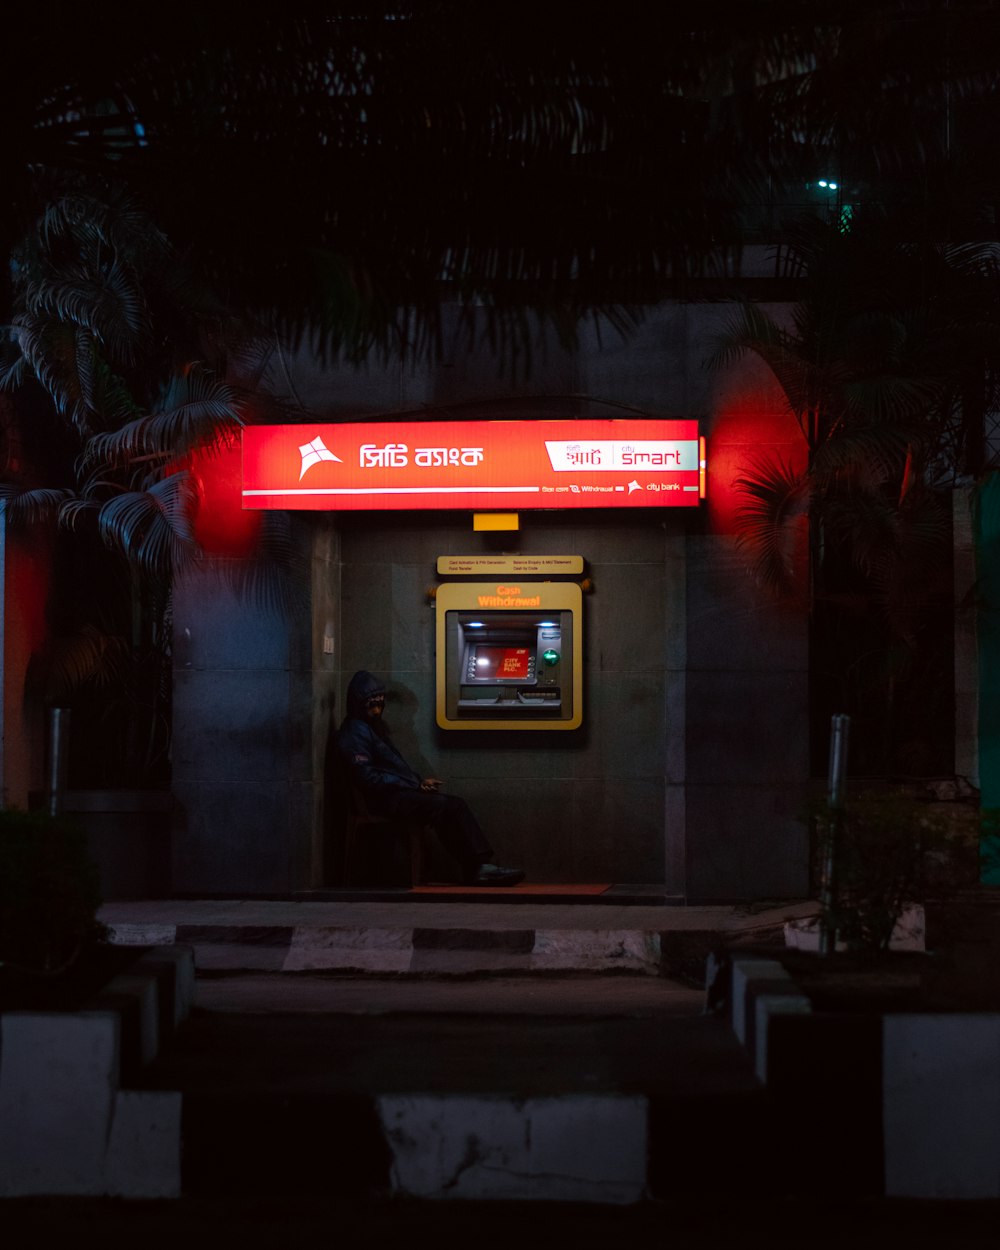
534	630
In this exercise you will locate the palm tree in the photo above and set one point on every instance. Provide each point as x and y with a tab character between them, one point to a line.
876	364
102	328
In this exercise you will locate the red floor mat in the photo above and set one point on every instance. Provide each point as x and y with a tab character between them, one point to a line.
526	887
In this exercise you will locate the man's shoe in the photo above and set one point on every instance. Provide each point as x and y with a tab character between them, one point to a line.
491	874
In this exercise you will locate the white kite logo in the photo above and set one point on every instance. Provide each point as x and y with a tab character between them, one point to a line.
312	453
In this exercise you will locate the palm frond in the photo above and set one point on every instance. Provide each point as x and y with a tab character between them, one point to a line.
751	331
872	337
70	661
194	409
13	373
77	510
925	530
892	398
193	397
747	329
113	224
85	366
978	260
864	523
776	497
49	352
152	528
27	507
114	403
871	453
108	303
71	215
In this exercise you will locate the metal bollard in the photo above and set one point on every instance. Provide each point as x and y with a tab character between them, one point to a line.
840	727
58	752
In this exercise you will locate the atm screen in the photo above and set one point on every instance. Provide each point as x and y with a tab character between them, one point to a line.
492	663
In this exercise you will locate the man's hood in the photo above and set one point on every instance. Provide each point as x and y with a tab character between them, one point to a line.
362	686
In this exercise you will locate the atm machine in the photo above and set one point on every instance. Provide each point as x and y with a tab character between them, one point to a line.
509	655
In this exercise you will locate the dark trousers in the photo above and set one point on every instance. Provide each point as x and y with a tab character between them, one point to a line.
450	817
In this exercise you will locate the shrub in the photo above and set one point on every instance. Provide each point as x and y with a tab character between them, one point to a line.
891	849
49	893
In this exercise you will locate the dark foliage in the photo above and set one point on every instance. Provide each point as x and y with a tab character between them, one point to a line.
49	894
889	364
337	164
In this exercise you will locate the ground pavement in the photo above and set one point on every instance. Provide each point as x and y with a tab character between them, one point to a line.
307	1011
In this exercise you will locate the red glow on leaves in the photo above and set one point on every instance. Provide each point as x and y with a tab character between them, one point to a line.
221	525
748	429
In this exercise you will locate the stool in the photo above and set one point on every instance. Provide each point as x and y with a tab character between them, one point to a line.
363	823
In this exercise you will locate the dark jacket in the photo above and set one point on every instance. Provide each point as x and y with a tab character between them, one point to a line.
373	763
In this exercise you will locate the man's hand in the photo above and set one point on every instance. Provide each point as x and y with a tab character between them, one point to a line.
431	784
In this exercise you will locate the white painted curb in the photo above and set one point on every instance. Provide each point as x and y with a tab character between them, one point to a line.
66	1127
577	1148
941	1105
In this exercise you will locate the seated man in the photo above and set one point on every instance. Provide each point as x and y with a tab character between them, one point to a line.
392	789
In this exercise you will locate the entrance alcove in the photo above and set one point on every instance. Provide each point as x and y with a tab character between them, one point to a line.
585	805
685	774
688	770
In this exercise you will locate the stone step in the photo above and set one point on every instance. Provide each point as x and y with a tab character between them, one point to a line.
540	1107
402	938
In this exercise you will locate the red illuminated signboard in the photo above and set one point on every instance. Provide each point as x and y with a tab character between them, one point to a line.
473	465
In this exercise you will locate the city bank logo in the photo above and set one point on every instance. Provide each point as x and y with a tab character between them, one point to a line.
312	453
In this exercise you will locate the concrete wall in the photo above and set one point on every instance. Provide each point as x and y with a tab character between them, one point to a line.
747	681
690	768
252	700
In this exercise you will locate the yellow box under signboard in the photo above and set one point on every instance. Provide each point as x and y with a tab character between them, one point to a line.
496	521
509	655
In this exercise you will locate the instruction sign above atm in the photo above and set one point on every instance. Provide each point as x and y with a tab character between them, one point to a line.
509	566
474	465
